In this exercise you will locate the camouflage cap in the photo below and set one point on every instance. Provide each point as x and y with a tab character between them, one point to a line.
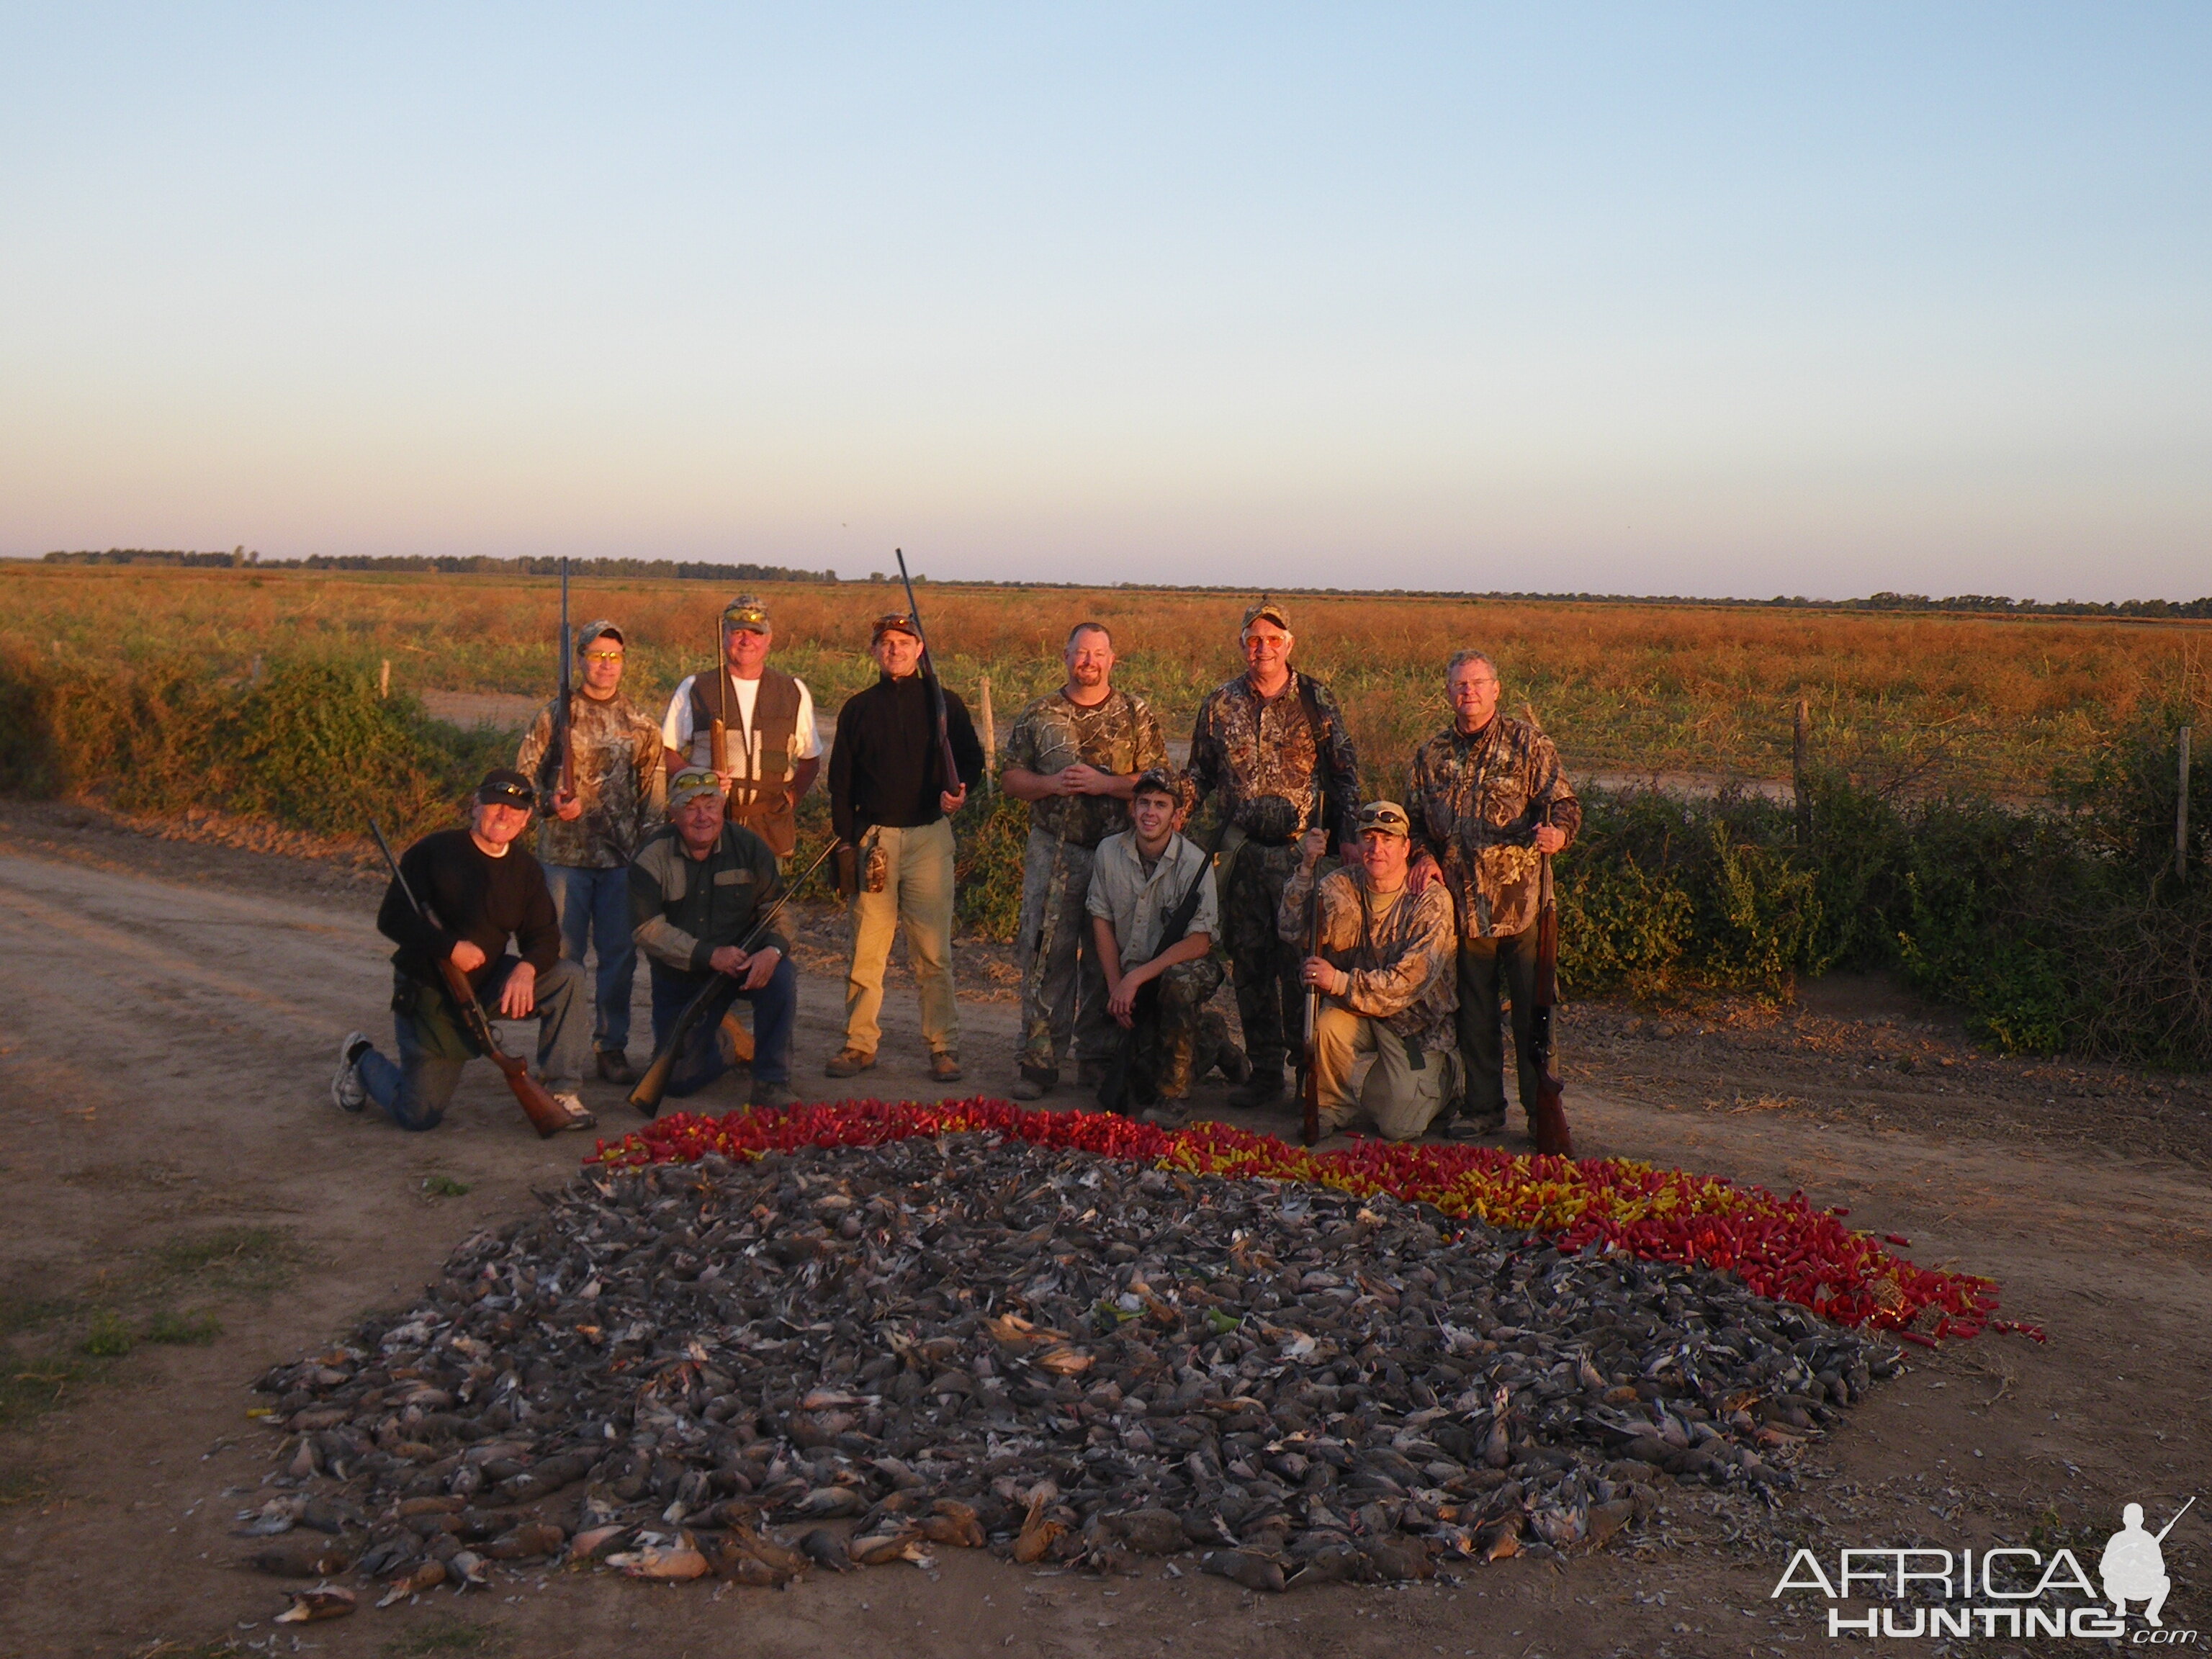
690	782
896	622
1157	780
1268	610
1385	817
598	630
747	614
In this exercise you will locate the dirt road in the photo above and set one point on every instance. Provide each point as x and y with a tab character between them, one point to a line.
169	1149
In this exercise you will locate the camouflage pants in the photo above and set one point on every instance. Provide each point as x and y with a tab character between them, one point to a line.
1063	987
1178	1036
1270	1001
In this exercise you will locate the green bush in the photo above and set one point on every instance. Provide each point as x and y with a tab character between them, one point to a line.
990	835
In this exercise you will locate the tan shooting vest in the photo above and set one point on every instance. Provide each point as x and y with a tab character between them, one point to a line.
761	803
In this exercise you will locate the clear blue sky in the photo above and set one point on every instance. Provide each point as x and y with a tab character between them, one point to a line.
1636	298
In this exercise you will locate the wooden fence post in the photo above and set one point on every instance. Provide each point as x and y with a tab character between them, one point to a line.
384	679
990	737
2181	814
1802	785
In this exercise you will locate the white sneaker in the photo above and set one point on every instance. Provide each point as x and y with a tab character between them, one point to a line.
348	1092
580	1115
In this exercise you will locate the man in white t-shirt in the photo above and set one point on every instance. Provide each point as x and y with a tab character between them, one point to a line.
769	752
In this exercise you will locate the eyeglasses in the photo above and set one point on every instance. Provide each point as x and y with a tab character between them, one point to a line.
603	656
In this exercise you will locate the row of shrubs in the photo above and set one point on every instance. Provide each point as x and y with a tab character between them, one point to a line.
2060	928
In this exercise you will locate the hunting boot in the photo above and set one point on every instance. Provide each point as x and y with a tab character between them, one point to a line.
1035	1083
1260	1089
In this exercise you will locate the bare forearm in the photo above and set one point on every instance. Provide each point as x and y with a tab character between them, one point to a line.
1024	784
1110	951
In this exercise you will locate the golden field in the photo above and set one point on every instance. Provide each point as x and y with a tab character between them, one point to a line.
1627	689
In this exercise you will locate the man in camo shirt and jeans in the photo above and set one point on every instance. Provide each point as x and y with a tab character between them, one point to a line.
1489	803
1074	754
1272	745
586	837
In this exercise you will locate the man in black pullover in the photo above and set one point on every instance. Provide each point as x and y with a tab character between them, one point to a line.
480	891
889	798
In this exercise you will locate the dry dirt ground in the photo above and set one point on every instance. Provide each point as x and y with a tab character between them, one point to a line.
172	1165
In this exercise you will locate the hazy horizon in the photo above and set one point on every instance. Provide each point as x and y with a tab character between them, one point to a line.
1709	301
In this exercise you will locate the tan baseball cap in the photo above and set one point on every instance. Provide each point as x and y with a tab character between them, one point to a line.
1385	817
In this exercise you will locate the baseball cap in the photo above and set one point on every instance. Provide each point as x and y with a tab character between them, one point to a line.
598	630
1385	817
745	614
1157	780
1268	610
896	622
505	786
689	782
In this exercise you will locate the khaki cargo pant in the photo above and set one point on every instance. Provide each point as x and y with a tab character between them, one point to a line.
1063	987
1403	1098
917	896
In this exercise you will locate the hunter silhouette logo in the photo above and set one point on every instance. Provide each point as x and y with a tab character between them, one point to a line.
2133	1566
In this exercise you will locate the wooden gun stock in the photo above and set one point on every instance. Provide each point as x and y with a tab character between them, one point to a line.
653	1084
545	1114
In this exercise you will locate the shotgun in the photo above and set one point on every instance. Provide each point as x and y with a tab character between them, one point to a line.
556	769
718	729
544	1113
952	784
646	1096
1549	1120
1309	1047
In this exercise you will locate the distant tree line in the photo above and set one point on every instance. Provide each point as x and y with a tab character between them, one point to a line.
454	564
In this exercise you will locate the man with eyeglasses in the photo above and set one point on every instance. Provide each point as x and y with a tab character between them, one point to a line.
1490	803
770	750
588	836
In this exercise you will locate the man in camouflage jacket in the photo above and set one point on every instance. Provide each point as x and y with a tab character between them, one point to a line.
1489	803
1074	754
587	836
1272	745
1385	967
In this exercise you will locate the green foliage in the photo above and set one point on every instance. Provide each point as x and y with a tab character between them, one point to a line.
990	835
444	1185
182	1329
304	743
108	1339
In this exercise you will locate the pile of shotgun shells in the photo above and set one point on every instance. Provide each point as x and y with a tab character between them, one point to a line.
846	1357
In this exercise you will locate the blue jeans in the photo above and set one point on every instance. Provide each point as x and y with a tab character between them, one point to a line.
594	908
775	1011
416	1092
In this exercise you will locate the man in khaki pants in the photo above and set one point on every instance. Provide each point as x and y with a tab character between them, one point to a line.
890	799
1386	969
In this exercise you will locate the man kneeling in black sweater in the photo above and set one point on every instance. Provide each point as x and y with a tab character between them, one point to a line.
479	890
